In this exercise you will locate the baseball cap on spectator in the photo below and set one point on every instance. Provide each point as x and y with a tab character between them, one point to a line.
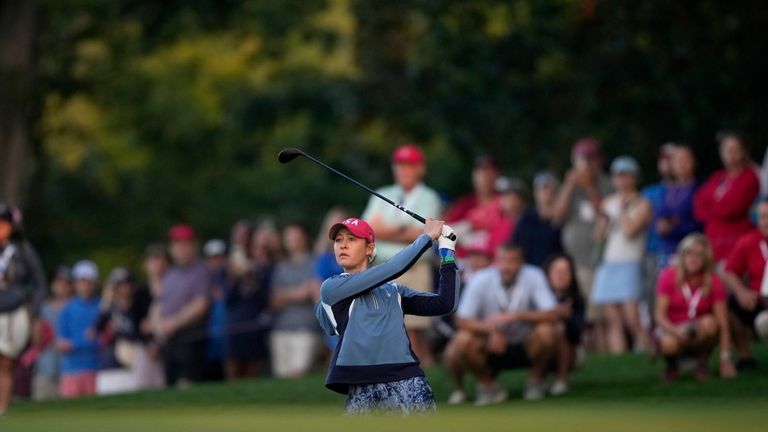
214	247
545	178
511	185
625	165
119	275
358	227
487	161
586	147
409	154
85	269
181	232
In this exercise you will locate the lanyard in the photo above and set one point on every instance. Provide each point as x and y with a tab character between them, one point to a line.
692	299
764	249
507	299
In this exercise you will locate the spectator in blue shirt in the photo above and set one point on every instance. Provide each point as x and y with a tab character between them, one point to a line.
76	334
675	216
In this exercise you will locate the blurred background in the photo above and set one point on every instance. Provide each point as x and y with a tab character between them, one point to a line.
118	118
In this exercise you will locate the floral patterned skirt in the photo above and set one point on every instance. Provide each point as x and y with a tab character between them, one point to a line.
409	396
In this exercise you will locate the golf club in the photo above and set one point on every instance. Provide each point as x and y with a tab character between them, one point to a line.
289	154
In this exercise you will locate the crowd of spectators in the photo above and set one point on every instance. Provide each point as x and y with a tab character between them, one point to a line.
553	270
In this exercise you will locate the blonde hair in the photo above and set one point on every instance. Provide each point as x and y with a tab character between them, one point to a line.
708	269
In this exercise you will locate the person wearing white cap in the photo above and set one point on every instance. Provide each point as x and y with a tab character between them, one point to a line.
623	225
76	334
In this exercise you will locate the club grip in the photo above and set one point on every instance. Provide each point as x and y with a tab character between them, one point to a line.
418	217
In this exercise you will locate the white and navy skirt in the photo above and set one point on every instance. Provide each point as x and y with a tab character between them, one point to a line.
409	396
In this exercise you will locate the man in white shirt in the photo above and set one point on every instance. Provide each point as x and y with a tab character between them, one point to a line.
507	318
396	230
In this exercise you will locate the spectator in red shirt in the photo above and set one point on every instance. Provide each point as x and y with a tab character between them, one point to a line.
691	310
474	216
744	274
722	204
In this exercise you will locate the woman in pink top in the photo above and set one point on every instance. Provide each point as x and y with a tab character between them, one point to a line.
722	204
691	310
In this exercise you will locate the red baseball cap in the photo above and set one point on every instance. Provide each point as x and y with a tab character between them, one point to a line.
181	232
408	153
586	147
358	227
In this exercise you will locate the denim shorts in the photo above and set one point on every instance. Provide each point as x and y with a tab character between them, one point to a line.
409	396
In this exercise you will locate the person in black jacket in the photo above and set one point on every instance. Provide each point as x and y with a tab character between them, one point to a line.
561	274
21	283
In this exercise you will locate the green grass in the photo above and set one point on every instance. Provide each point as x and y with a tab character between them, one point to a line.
608	394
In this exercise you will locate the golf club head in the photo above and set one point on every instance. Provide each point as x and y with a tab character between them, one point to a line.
288	154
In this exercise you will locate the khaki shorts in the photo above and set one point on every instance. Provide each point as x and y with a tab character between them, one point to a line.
418	278
293	352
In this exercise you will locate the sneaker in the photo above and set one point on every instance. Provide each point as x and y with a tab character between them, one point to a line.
490	395
457	397
534	391
559	388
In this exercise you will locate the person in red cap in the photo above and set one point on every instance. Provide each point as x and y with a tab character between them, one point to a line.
183	308
576	210
373	363
396	230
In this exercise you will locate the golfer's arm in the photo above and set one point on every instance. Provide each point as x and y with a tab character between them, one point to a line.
429	304
336	289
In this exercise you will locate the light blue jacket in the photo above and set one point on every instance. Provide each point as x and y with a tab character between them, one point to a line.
366	310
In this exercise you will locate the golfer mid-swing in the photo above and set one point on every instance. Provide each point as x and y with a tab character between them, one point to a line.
373	362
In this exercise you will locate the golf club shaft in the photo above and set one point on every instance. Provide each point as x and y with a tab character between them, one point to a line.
364	187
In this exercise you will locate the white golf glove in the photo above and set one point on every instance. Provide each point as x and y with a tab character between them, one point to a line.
444	242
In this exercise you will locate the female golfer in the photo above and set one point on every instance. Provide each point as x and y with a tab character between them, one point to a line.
373	362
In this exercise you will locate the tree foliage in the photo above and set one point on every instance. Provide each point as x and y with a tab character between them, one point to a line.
156	112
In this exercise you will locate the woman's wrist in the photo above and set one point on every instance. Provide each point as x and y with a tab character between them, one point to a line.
447	256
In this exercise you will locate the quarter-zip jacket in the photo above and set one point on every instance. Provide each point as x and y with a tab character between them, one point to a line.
366	310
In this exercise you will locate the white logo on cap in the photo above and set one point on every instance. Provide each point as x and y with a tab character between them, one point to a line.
351	221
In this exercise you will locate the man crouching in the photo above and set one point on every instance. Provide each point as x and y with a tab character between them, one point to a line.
507	318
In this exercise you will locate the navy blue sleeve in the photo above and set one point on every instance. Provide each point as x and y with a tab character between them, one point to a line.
443	302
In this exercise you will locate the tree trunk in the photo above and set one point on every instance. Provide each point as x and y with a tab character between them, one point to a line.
18	21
